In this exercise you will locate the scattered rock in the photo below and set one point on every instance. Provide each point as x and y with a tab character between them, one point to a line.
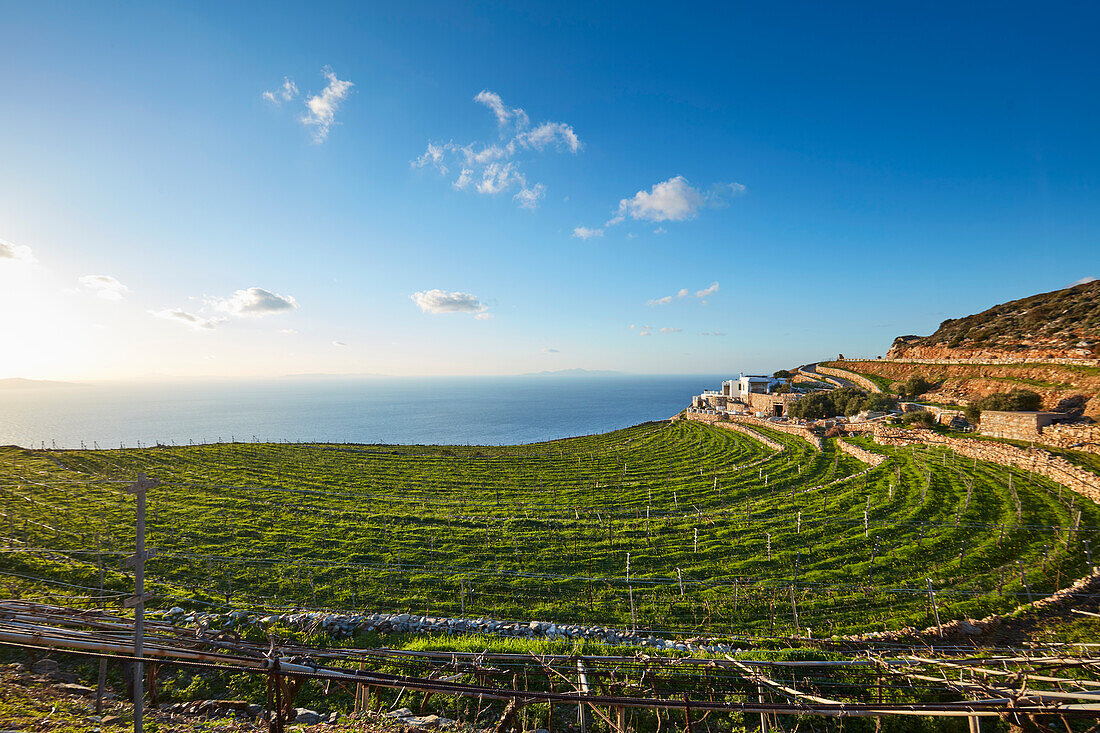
75	689
45	667
304	716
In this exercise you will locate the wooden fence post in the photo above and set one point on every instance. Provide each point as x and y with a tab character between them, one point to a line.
935	611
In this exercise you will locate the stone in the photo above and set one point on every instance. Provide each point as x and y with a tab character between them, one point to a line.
75	689
44	667
304	716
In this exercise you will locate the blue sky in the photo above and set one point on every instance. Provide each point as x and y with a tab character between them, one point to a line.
844	172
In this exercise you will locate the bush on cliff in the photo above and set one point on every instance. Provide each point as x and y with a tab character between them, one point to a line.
842	401
1016	400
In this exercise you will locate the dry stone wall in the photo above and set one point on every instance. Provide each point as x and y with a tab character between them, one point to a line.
866	456
728	421
1033	459
1075	437
797	430
1028	427
862	381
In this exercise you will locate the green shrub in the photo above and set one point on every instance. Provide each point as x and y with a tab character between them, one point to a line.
915	385
922	419
842	401
1016	400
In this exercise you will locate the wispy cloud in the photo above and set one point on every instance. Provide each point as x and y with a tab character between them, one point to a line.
586	233
708	291
104	286
1082	281
323	107
685	293
285	93
669	329
495	167
711	333
253	302
338	343
549	351
441	301
15	252
196	322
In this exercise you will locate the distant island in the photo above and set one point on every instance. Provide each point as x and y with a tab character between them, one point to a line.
21	383
575	373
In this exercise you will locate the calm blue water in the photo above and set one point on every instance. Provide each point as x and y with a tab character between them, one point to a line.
476	410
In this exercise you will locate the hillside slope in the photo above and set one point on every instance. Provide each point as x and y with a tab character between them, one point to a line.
1060	324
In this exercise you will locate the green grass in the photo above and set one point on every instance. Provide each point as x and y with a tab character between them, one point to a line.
543	531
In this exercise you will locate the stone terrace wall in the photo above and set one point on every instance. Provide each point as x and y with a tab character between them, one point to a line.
1023	426
871	459
1001	359
862	381
797	430
1077	437
1038	461
730	420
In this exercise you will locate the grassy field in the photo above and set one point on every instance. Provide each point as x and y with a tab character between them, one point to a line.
723	535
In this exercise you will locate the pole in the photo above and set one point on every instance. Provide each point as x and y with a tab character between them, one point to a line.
102	681
137	601
935	611
582	682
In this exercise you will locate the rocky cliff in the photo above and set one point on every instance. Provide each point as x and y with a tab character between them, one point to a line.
1063	324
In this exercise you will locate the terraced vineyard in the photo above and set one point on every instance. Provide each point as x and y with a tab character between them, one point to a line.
722	535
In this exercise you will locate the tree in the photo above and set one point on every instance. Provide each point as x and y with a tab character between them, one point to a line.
921	419
915	385
1016	400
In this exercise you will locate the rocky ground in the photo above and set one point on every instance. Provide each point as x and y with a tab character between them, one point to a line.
43	698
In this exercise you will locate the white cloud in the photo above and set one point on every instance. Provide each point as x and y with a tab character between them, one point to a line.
549	351
338	343
669	329
288	331
586	233
189	319
493	168
464	179
708	291
440	301
15	252
529	198
432	156
671	200
497	177
1082	281
104	286
720	193
550	133
493	101
323	107
253	302
710	333
684	293
285	93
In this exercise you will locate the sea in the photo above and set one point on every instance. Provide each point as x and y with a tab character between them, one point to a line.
393	410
